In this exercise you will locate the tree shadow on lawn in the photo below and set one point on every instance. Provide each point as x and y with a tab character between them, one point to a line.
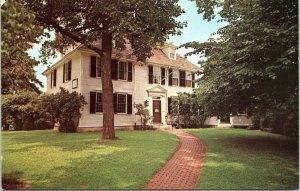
13	180
252	162
117	170
264	144
83	162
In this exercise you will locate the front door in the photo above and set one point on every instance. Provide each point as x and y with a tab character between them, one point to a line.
156	111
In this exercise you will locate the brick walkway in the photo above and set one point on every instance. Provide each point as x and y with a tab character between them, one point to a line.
184	168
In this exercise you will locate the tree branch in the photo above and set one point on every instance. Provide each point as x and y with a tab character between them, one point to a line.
67	33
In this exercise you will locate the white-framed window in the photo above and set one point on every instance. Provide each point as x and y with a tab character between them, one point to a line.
53	78
122	72
98	67
172	53
122	103
99	102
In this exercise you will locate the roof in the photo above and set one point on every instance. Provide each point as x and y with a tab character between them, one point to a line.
159	57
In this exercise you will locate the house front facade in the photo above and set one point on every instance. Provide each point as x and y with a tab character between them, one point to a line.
153	83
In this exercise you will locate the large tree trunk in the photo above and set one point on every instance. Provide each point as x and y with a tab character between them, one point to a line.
107	88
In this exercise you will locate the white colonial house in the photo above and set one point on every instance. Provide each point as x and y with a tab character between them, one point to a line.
154	82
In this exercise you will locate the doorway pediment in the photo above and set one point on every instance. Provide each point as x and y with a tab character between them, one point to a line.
157	90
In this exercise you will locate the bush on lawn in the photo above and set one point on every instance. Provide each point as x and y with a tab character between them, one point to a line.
64	107
29	111
21	112
186	112
145	116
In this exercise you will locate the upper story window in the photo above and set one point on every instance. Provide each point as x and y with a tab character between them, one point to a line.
173	77
53	78
95	67
121	70
67	70
156	75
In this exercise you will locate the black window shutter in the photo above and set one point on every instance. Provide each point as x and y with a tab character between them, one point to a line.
193	80
54	78
69	69
170	77
51	79
115	100
129	71
182	78
169	105
150	74
163	77
114	69
92	102
64	68
93	66
129	104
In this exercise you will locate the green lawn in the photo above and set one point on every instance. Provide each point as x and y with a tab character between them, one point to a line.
52	160
245	159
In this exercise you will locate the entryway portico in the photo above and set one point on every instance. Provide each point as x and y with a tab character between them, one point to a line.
158	104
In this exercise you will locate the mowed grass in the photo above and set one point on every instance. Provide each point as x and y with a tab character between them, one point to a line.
51	160
248	159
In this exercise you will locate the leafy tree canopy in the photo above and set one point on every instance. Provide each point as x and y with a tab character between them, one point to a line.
253	64
144	23
19	32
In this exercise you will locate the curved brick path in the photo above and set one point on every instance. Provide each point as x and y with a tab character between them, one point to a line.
184	168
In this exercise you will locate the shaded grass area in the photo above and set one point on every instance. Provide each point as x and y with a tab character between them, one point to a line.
244	159
51	160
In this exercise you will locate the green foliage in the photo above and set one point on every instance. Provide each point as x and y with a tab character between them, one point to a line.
187	111
28	111
77	161
22	112
250	159
252	67
18	32
144	114
64	107
144	23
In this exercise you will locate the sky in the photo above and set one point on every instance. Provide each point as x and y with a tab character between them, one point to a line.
197	30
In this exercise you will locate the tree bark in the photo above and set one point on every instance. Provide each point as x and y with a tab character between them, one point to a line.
107	88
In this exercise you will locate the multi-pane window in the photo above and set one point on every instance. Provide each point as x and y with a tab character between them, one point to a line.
98	67
122	70
99	102
121	103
